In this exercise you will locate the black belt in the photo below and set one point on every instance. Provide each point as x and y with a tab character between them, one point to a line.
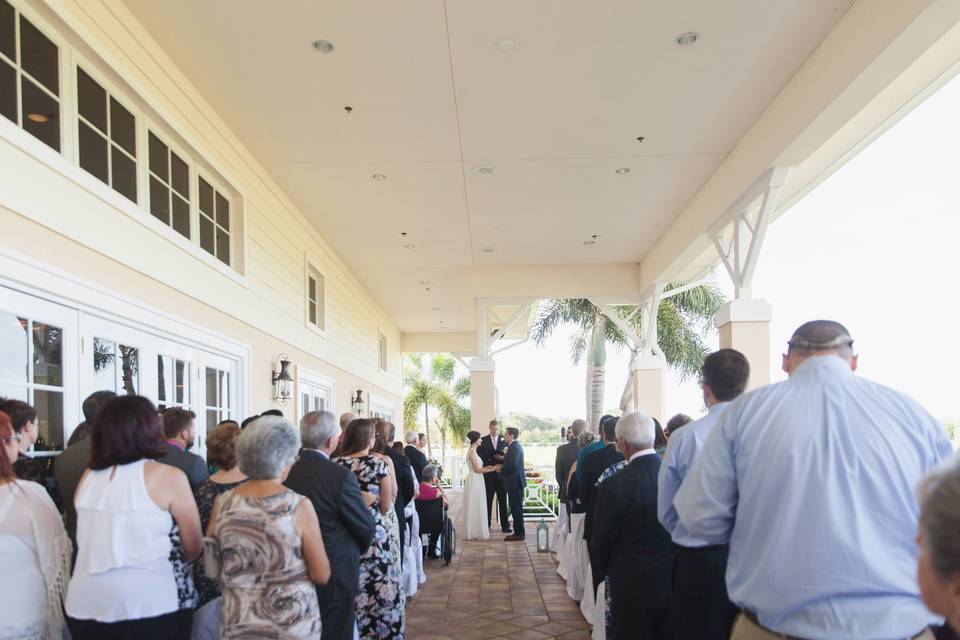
752	617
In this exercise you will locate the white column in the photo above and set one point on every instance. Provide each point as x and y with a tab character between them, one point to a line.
744	325
483	403
648	385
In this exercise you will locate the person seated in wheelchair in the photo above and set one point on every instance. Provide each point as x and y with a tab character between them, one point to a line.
431	505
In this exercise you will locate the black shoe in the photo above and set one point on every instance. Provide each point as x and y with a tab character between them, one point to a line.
506	530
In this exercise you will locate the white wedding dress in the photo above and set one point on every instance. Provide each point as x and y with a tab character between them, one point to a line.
475	500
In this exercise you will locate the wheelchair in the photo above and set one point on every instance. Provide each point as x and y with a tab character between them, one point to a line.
435	523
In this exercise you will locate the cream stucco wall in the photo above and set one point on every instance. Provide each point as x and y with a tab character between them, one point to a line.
54	212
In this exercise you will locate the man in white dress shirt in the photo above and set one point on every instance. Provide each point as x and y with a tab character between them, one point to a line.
812	483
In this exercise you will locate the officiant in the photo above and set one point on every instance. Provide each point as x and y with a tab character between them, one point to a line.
491	451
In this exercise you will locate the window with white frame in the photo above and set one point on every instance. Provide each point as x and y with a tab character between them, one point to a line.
169	186
29	77
315	303
382	343
214	213
106	137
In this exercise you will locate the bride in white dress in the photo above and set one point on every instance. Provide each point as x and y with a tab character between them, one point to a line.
474	493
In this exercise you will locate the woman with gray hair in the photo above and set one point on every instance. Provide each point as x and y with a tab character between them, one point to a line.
939	539
271	549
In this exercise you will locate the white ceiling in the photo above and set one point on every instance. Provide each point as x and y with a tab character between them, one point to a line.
433	98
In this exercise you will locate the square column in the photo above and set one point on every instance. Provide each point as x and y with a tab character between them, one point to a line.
648	386
483	393
744	325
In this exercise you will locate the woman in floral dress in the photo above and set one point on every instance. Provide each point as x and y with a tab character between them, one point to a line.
380	600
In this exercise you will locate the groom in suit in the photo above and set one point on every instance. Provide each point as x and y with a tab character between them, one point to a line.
491	452
514	481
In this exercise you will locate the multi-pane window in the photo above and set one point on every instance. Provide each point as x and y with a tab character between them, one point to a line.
29	77
173	382
315	298
169	186
214	222
31	370
383	352
218	396
107	137
116	367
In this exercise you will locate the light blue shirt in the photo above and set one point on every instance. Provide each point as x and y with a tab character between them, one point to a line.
682	449
812	482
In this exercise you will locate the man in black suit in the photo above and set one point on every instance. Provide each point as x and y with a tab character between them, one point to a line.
567	455
406	484
491	451
514	479
593	466
346	523
417	460
179	430
629	544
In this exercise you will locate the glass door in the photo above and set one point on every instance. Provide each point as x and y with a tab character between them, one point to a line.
38	364
315	392
218	389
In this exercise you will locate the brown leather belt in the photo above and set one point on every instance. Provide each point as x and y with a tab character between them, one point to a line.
752	617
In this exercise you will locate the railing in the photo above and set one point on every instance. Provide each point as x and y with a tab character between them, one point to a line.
541	500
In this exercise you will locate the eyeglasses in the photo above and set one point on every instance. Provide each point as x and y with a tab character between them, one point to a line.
14	438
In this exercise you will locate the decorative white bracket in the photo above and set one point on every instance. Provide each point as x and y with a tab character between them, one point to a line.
749	215
487	338
647	343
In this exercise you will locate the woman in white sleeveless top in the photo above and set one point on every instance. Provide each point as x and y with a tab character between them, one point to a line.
129	509
474	493
34	552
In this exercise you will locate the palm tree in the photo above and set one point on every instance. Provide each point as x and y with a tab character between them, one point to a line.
435	386
681	321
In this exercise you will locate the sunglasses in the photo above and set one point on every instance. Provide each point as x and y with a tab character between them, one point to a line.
14	438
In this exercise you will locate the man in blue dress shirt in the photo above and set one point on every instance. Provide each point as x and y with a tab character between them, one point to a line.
701	606
812	482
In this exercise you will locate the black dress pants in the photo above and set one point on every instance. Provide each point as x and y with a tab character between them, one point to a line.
171	626
702	608
494	486
515	496
636	623
338	618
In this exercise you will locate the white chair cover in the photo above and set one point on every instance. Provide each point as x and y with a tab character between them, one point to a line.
576	551
560	530
412	554
600	614
587	603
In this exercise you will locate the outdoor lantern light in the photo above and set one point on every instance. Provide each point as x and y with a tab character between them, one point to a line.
543	537
282	382
357	403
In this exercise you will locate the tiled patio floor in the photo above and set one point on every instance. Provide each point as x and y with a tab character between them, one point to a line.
494	589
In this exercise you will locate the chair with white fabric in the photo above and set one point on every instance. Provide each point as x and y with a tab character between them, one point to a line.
575	557
588	602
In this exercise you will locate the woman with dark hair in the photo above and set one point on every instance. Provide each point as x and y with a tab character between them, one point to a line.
660	439
34	551
131	510
938	568
475	493
380	601
26	425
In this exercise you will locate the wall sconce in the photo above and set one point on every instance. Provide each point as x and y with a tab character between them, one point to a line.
282	381
357	403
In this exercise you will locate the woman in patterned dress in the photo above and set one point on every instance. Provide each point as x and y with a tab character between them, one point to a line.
380	601
271	549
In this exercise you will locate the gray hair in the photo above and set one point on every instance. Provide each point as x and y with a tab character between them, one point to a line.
317	427
940	516
637	429
266	446
586	438
578	426
411	437
819	336
429	473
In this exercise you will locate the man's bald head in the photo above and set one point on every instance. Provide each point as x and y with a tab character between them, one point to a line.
819	338
345	419
578	427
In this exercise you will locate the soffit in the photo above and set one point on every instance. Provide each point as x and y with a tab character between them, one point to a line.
433	98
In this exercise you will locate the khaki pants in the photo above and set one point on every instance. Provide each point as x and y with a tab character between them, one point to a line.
746	630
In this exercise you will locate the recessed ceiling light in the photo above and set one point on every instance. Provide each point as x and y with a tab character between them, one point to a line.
39	118
688	38
640	138
622	171
504	45
485	169
409	246
488	249
589	243
323	46
379	177
435	309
